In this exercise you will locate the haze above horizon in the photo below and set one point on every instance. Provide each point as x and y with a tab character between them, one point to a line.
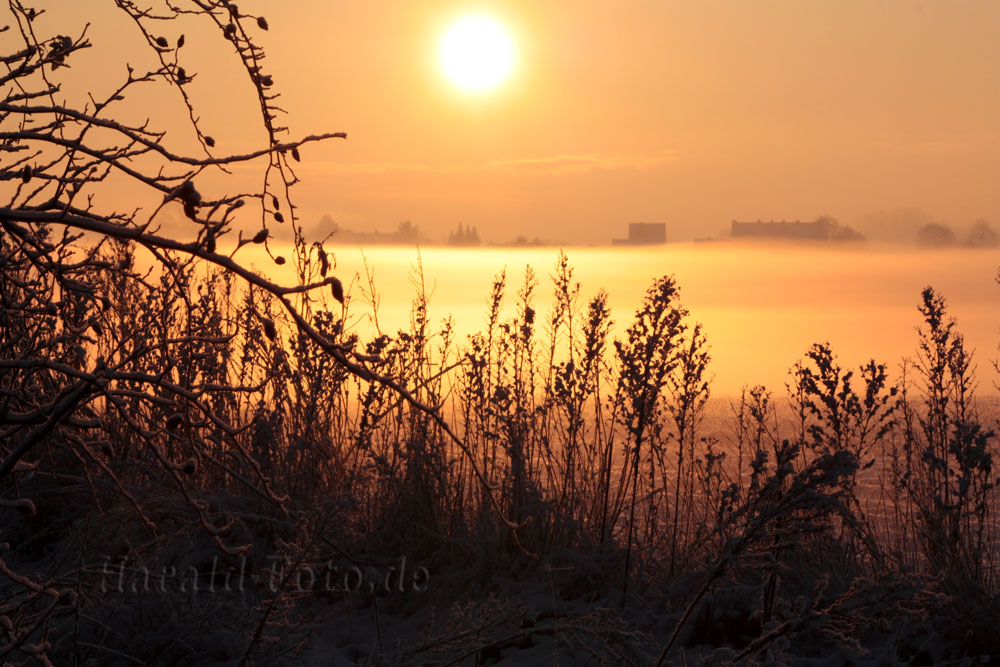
691	113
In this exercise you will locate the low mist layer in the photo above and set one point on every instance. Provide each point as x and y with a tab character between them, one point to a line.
761	306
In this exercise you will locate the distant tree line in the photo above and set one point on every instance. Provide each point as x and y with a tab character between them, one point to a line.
835	231
522	241
464	236
938	235
406	233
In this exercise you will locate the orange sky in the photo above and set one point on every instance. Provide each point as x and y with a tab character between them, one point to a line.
692	113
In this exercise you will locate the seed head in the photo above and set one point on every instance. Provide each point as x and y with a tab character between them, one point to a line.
337	288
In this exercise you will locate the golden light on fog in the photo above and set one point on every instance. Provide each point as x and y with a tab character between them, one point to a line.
476	53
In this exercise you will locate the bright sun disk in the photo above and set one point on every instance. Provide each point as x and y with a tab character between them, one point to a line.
476	53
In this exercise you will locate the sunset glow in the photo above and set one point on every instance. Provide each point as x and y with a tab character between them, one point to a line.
476	53
514	333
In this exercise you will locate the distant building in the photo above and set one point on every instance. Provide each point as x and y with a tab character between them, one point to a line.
819	230
644	233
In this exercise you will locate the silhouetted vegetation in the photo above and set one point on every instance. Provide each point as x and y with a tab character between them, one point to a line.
406	233
464	236
982	235
936	235
525	242
839	232
171	421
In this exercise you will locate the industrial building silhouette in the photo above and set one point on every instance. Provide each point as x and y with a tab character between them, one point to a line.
644	233
818	230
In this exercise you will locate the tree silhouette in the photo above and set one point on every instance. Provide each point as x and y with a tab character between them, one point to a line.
407	232
982	235
464	236
935	235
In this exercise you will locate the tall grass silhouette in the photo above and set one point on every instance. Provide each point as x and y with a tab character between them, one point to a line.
581	455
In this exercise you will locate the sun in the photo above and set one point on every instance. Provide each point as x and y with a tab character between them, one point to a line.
476	53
